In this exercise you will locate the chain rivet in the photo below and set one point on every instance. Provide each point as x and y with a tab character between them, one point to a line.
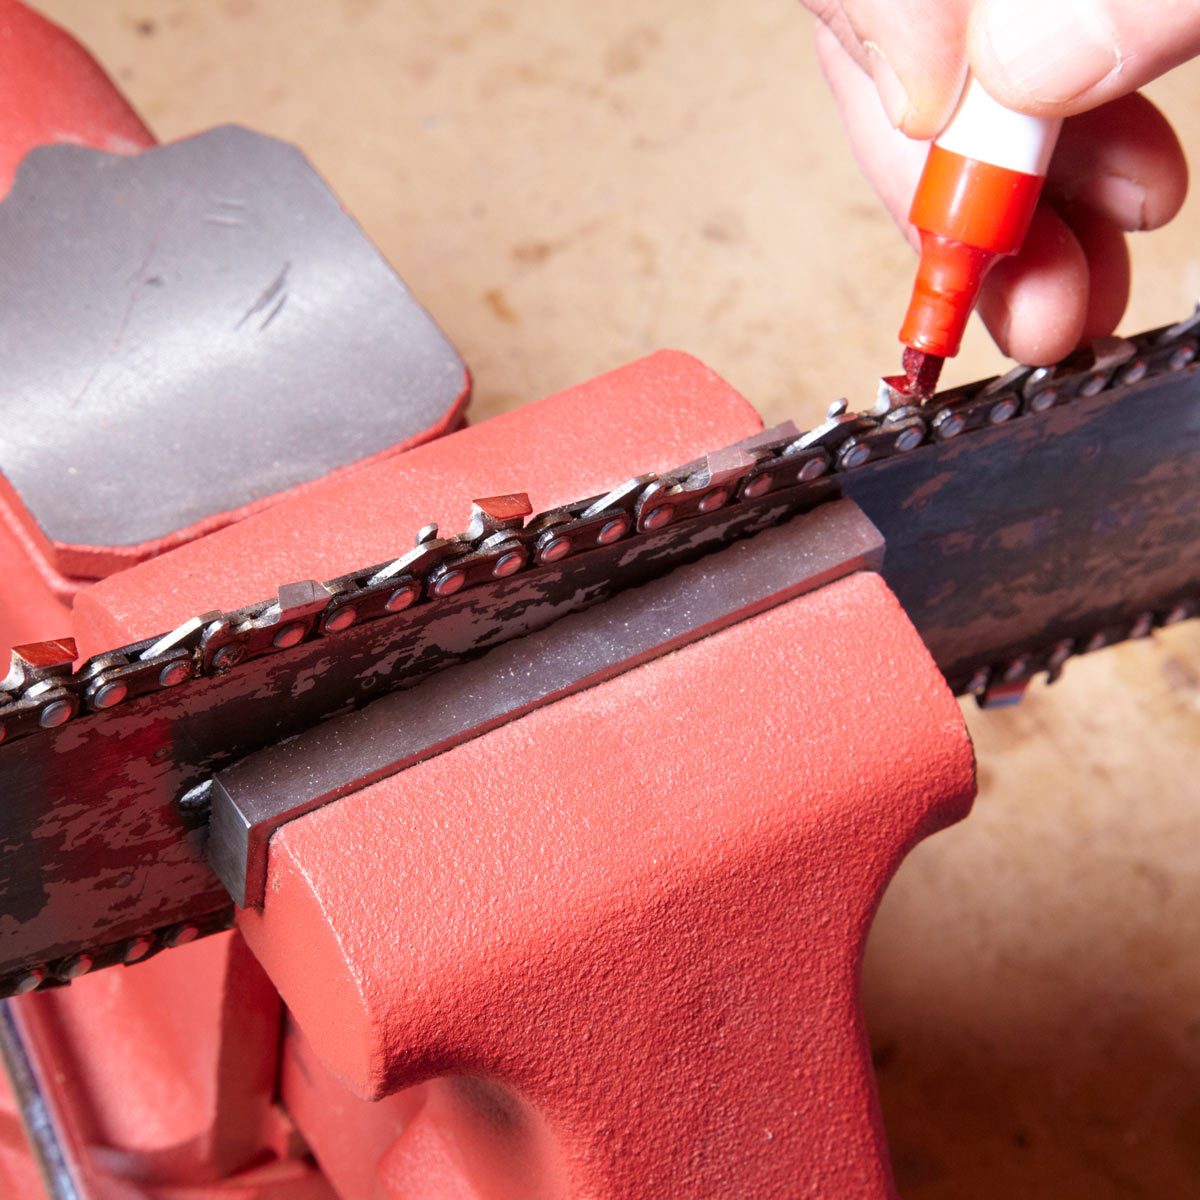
760	485
56	713
285	638
554	549
1061	652
401	598
1001	412
449	583
1044	400
714	500
28	981
109	694
75	966
339	619
656	518
509	563
1181	358
813	469
137	948
1016	669
232	653
174	673
180	935
1143	626
948	424
612	531
853	455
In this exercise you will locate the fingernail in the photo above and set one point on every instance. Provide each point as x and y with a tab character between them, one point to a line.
892	92
1051	50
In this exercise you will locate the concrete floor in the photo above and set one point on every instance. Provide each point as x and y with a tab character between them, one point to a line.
568	186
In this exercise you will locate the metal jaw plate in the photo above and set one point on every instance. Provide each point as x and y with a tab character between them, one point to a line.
193	329
253	798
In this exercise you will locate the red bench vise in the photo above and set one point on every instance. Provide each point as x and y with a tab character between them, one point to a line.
608	949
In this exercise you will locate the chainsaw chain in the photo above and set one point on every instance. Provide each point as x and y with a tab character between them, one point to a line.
42	692
127	951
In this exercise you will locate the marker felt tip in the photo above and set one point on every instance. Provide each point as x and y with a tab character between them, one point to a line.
973	205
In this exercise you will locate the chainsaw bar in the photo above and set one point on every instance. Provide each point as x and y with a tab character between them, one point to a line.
1027	518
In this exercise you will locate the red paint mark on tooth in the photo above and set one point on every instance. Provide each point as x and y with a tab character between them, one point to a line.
921	372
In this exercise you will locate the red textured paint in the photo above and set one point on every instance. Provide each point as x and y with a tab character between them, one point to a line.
163	1076
349	1136
651	415
30	610
626	928
620	936
630	924
665	410
52	90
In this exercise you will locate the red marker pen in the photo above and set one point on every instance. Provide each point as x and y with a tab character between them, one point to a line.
973	205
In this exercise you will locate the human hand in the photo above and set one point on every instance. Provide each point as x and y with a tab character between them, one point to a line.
897	68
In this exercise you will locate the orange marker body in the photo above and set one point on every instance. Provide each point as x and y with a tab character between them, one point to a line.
973	205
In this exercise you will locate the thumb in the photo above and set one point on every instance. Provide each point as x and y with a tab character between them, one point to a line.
916	53
1061	57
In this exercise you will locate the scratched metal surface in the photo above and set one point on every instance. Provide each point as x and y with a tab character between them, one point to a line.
166	325
1055	525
